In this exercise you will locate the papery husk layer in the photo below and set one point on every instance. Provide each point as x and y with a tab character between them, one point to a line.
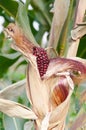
14	109
39	92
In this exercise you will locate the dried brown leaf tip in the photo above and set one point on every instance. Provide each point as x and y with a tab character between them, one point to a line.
54	79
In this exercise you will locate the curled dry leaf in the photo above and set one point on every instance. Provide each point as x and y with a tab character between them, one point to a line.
16	110
50	81
78	32
13	90
57	118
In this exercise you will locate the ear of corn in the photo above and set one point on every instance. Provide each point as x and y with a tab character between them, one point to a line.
50	82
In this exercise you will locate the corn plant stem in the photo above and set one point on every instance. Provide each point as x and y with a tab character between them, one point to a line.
75	19
63	41
53	50
58	22
72	51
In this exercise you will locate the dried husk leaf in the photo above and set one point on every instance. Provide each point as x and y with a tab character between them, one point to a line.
78	32
72	51
80	12
57	118
59	92
13	90
60	126
60	13
38	92
62	66
79	59
14	109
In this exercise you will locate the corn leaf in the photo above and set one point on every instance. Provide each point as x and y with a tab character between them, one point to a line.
13	90
10	7
14	109
60	13
25	25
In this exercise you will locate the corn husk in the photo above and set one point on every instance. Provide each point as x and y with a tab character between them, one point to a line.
39	93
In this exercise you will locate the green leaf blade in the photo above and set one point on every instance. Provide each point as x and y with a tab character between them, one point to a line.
10	7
